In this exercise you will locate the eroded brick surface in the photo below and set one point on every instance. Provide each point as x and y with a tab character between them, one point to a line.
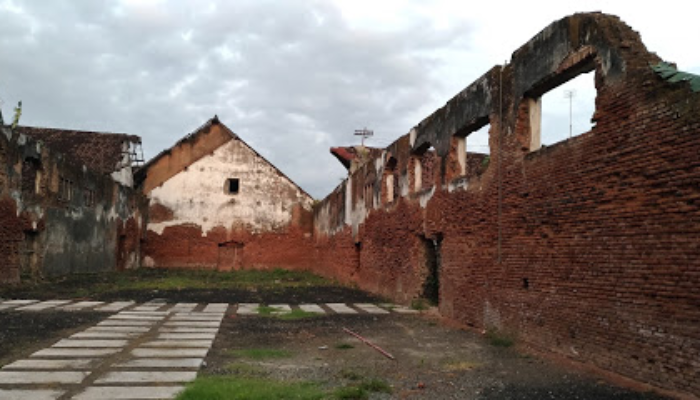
587	248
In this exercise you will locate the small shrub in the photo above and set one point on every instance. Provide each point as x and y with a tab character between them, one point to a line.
351	393
344	346
499	339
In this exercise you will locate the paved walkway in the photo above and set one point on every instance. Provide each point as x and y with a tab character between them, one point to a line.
144	351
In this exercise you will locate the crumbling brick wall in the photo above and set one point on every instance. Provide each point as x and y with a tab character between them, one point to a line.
82	209
587	248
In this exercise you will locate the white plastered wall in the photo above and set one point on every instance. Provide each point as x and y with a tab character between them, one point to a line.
198	195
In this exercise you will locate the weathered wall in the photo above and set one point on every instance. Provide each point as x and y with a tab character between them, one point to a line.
197	223
587	248
45	231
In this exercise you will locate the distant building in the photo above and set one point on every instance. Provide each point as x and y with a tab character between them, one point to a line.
213	199
66	205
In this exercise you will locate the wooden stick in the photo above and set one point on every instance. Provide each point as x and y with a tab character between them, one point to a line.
370	344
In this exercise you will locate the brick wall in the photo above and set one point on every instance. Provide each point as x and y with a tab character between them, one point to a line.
95	224
587	249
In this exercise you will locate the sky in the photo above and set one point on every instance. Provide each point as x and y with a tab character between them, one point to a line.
291	78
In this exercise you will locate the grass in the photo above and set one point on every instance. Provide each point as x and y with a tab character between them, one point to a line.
237	388
344	346
499	339
149	279
362	390
295	314
420	304
261	353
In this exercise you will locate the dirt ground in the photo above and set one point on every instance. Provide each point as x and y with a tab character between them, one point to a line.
432	361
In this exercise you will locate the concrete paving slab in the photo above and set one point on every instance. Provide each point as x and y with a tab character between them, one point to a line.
129	329
183	307
38	364
84	343
105	335
187	336
169	353
248	309
115	306
315	308
72	352
179	343
162	363
216	307
147	377
148	308
211	317
371	308
399	309
82	305
198	324
187	329
137	317
44	305
125	322
23	394
341	308
151	313
129	393
41	377
19	302
9	304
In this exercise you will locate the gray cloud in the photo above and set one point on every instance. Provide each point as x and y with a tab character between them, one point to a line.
291	78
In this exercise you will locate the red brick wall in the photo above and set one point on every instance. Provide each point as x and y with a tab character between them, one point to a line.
587	248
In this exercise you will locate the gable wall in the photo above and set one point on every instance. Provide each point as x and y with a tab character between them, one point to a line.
184	154
196	223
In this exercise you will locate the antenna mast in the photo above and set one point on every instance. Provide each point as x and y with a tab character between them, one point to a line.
365	133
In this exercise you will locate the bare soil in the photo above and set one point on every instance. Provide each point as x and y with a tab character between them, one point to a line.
431	361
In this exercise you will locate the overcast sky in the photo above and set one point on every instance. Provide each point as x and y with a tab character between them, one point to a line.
292	78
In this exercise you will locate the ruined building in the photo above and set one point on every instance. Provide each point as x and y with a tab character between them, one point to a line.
588	248
216	203
66	203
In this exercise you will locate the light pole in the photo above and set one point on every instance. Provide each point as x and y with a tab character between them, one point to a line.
570	94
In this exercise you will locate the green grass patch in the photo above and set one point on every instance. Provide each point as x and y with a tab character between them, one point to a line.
420	304
236	388
376	385
261	354
149	279
362	390
297	314
351	393
344	346
499	339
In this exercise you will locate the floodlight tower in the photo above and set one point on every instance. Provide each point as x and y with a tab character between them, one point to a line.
570	94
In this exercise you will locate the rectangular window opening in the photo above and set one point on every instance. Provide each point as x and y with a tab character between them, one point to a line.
565	111
477	151
232	185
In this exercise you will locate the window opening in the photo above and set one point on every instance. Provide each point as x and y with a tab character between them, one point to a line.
567	110
232	185
477	151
